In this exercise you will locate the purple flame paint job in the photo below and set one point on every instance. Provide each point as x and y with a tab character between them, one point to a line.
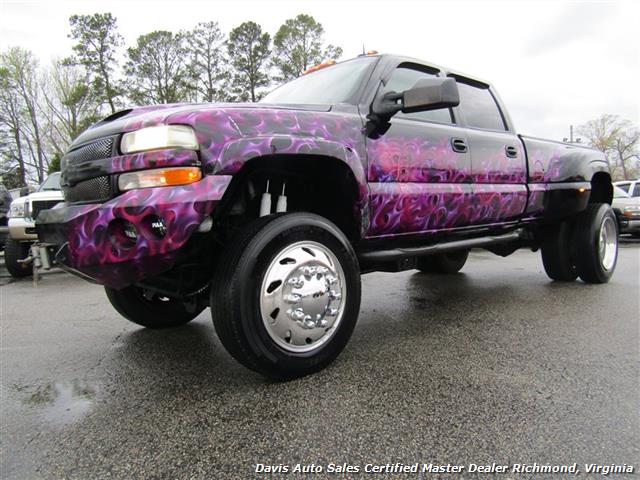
496	168
402	159
157	159
95	250
415	207
405	183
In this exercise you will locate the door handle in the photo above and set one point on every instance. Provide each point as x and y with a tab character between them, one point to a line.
459	145
511	151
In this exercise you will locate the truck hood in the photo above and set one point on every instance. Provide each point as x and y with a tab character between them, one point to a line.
45	195
622	202
138	117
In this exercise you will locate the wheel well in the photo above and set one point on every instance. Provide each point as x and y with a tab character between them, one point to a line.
318	184
601	188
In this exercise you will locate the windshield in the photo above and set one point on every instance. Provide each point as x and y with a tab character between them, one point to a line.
52	182
330	85
619	193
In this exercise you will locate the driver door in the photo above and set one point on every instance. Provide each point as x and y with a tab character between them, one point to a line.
419	170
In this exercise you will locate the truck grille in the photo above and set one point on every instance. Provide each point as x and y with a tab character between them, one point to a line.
97	150
94	189
38	205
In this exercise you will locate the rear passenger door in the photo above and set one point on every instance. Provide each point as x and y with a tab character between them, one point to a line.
498	160
419	169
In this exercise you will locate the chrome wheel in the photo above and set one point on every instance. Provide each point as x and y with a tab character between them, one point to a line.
302	296
608	243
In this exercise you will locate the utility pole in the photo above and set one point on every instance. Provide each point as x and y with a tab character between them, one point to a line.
570	139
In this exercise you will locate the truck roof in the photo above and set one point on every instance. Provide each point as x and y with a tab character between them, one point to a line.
435	66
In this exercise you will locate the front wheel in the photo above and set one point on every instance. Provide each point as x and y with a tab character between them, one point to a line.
285	296
595	240
14	252
151	310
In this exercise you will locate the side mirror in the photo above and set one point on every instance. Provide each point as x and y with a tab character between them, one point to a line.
427	94
431	94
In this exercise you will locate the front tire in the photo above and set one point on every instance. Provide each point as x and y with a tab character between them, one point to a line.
151	310
595	239
285	296
13	252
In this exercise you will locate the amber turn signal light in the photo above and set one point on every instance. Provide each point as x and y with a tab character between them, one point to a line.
159	177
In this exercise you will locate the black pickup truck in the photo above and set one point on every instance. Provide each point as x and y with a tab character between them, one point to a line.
268	213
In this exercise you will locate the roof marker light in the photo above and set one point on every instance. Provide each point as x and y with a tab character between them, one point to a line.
320	66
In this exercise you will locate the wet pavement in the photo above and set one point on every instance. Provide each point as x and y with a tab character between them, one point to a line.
496	364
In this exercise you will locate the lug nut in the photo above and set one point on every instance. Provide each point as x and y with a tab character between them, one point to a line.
292	298
296	282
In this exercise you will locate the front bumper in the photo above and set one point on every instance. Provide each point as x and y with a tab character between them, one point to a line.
133	236
628	225
22	229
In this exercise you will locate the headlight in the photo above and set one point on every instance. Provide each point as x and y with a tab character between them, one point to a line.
163	136
159	177
17	209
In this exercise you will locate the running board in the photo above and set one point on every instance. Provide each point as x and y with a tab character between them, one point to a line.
400	254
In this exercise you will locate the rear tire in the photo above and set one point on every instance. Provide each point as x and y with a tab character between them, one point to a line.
151	310
556	252
285	296
595	239
447	263
13	252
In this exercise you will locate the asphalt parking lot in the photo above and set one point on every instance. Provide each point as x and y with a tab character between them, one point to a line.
496	364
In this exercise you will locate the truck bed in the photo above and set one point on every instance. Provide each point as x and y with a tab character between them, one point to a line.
549	161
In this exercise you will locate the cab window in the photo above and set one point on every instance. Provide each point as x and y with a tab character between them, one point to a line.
624	186
619	193
479	108
403	78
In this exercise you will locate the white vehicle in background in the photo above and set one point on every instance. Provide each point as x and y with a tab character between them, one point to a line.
22	229
631	187
627	209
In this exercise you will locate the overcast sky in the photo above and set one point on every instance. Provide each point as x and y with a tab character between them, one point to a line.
554	63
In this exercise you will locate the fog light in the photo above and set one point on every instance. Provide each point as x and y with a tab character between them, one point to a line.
153	227
130	231
122	233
